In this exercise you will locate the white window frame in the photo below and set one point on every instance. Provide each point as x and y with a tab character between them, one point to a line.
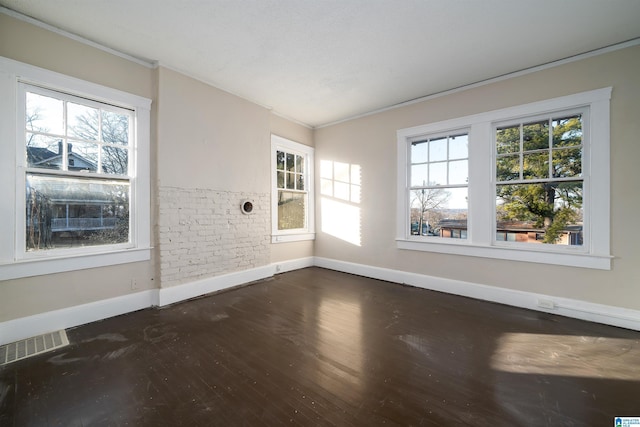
279	143
481	239
15	262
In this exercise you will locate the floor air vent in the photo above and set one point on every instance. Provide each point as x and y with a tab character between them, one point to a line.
31	346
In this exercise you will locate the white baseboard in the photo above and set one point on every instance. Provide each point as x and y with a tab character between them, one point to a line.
25	327
294	264
599	313
198	288
218	283
38	324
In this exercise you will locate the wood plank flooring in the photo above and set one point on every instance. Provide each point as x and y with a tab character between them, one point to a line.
318	347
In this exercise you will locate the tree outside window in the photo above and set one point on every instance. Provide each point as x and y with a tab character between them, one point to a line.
539	191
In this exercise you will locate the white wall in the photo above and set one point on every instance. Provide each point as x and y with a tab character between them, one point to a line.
33	295
213	152
370	142
208	142
208	146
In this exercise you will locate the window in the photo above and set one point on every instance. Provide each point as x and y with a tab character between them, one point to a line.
292	191
78	173
77	176
539	182
439	179
518	183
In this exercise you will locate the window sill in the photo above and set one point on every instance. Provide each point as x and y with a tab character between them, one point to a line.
599	262
285	238
39	267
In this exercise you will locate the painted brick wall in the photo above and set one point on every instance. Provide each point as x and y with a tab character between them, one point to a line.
203	233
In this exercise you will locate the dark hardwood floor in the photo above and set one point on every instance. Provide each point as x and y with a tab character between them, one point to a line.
318	347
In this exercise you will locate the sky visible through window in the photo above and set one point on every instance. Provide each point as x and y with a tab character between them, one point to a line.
443	162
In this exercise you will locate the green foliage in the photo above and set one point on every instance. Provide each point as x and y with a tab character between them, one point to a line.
524	202
561	218
540	152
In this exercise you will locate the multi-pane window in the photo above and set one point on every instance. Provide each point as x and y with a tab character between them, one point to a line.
439	180
74	167
292	192
539	180
535	176
77	175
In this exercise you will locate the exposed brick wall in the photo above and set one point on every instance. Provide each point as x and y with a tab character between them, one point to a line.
203	233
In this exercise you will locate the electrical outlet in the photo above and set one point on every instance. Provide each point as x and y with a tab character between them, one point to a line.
547	304
134	284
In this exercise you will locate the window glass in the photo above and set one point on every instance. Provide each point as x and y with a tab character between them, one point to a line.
44	114
290	163
438	194
459	147
299	164
458	172
115	128
72	210
280	160
115	160
64	212
291	195
419	152
508	140
535	186
437	149
419	175
291	210
291	183
75	195
539	191
535	136
82	122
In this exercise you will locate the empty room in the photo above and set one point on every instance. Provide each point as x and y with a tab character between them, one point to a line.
296	212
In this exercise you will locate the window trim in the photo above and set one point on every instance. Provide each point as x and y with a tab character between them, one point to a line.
21	252
584	111
15	265
279	143
480	242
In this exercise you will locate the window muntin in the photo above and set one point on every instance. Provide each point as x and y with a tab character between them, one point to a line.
15	260
77	175
438	191
539	180
61	129
292	190
292	196
485	238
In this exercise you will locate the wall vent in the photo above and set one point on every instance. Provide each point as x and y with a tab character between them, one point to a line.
19	350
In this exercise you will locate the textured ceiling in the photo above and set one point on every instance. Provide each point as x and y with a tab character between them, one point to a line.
321	61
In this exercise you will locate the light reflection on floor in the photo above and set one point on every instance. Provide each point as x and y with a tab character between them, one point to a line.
340	334
568	355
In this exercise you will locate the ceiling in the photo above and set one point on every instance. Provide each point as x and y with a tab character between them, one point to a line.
322	61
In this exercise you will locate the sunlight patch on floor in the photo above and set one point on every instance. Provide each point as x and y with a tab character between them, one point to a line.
568	355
